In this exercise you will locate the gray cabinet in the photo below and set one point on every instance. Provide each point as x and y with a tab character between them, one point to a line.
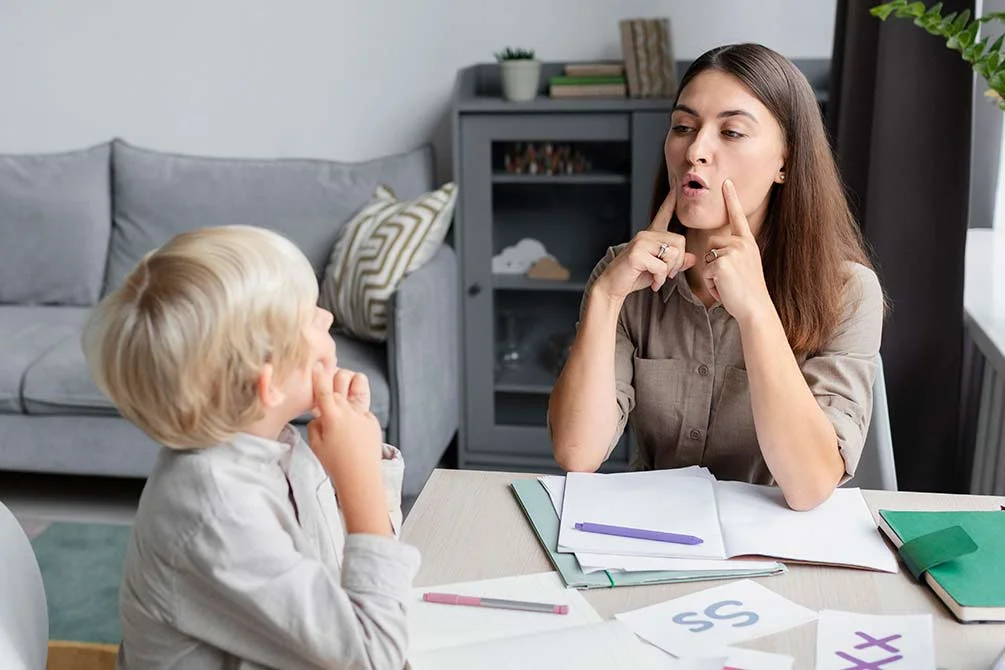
513	326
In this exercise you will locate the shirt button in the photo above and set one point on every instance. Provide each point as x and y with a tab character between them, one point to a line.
695	434
703	370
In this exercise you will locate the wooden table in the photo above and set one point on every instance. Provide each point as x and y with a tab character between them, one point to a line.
469	526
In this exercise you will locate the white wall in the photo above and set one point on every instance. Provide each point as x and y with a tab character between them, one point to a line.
338	79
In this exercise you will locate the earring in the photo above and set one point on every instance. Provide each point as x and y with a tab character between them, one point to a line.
781	177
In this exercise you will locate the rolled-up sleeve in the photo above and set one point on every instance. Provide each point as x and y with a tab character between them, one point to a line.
624	354
841	375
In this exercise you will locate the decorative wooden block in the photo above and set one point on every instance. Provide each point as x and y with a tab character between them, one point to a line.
548	268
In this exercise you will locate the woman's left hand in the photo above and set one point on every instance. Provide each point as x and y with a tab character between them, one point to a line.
733	272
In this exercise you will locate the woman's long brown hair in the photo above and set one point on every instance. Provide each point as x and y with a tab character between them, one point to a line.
809	234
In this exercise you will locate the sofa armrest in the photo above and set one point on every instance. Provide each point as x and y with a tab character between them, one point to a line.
424	364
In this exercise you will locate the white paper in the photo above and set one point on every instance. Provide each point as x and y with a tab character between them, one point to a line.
749	659
847	640
555	484
756	521
436	626
645	500
603	646
703	623
597	562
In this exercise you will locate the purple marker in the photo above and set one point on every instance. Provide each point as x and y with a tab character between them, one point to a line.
637	533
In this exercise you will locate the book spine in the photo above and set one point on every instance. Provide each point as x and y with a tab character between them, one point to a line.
628	53
595	70
587	91
642	58
669	63
565	81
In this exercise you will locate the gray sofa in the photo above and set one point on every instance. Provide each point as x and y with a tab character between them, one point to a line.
72	226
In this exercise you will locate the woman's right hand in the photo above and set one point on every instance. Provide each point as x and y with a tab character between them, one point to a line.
641	263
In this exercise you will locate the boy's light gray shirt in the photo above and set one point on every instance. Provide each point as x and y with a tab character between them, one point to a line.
221	574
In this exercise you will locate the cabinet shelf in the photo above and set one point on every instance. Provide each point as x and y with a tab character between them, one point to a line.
575	283
597	177
528	378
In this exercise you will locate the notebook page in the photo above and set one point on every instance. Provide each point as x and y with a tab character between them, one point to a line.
647	500
555	484
841	531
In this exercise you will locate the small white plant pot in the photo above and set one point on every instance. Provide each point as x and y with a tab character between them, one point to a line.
520	79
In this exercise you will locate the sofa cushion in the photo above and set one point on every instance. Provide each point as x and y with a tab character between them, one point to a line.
55	221
26	333
158	195
385	241
59	382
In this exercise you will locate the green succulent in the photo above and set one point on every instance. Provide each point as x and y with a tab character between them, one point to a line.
960	32
514	54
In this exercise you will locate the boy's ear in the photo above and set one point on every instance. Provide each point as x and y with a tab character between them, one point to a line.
269	393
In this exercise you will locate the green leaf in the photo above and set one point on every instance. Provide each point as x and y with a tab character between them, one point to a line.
947	24
968	36
883	11
961	21
996	47
973	52
997	81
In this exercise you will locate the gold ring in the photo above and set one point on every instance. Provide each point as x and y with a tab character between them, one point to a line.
714	253
663	250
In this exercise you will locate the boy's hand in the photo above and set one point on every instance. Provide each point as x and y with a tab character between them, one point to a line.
347	440
345	433
354	386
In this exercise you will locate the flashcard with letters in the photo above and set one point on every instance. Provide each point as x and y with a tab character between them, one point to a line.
705	622
848	641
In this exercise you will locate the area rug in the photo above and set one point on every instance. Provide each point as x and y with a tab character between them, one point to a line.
81	567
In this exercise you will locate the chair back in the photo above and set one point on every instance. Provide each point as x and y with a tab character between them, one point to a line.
24	619
876	469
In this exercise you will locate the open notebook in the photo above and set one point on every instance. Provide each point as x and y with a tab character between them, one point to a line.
544	520
732	518
449	637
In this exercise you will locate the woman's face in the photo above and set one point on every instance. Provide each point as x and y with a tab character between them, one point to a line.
719	131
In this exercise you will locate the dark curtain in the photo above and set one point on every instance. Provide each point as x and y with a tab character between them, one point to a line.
899	114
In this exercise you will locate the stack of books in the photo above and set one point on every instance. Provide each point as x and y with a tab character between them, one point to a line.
590	80
649	63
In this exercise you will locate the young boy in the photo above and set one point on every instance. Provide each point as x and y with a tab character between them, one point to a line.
239	557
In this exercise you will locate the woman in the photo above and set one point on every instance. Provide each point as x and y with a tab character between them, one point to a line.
741	330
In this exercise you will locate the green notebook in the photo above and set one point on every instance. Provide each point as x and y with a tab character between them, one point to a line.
536	504
960	554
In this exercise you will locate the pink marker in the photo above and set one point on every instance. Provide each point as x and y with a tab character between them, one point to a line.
499	603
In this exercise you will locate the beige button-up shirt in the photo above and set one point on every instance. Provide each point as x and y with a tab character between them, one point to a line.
682	383
239	560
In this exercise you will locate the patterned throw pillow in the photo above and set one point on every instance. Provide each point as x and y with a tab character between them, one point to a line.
385	241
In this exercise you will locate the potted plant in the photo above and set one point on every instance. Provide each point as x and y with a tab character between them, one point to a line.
520	73
960	33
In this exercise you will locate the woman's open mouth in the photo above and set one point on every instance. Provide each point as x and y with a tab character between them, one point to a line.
693	185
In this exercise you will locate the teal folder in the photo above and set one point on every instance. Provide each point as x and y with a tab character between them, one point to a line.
536	504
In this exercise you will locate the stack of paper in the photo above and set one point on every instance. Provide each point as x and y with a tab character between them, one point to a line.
729	519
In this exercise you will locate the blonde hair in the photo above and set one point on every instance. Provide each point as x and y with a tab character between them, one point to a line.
180	346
